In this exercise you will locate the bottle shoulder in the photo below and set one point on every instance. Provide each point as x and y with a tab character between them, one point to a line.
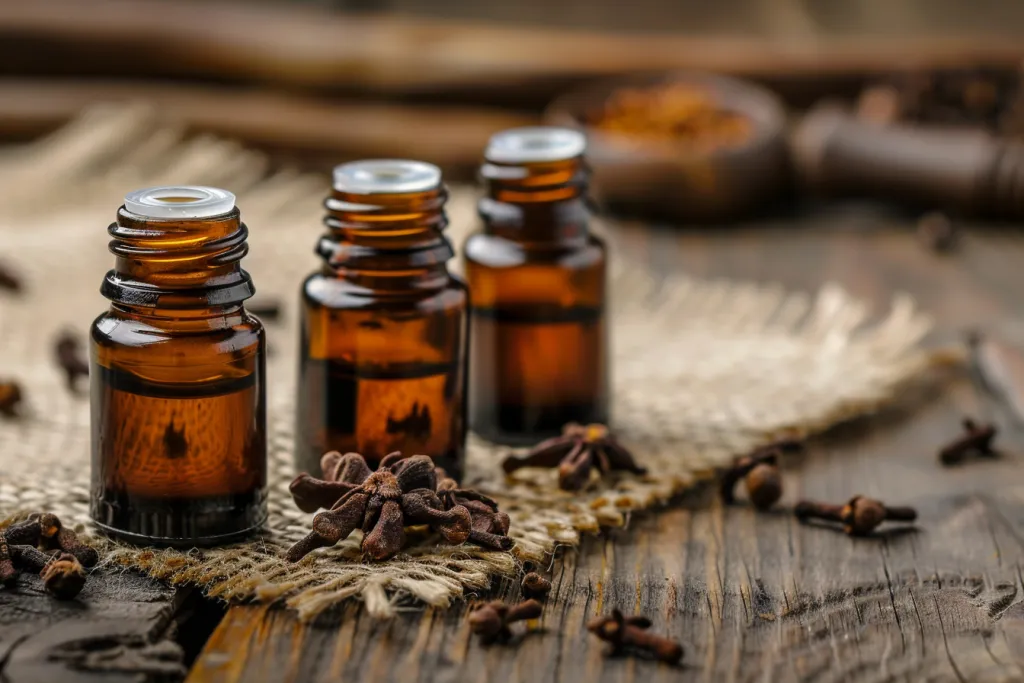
495	251
323	290
242	333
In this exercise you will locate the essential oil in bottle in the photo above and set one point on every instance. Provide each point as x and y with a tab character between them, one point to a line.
383	347
179	452
539	350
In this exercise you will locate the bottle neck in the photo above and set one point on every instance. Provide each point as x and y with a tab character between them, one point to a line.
536	202
387	241
176	265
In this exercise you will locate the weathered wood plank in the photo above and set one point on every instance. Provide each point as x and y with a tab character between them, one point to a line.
121	627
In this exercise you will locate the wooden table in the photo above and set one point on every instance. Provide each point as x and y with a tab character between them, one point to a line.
753	597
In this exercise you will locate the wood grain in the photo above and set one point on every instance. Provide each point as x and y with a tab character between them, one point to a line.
120	628
758	597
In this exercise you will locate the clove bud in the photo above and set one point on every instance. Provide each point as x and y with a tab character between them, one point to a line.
69	357
630	633
8	574
859	517
761	474
977	439
535	586
491	620
63	577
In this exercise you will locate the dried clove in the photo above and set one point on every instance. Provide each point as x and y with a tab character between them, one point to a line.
9	279
53	535
937	232
68	352
580	450
10	397
859	516
976	440
8	574
535	586
626	634
489	524
761	474
491	620
30	557
63	577
25	532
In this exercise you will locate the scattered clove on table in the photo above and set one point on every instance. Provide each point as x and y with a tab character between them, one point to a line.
760	472
492	620
976	440
579	451
535	586
68	352
630	634
859	516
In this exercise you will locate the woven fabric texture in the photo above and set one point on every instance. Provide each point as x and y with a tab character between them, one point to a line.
702	370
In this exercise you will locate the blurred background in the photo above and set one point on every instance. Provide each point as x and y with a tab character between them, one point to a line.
317	82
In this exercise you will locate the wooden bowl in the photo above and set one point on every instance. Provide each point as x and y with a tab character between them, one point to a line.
672	180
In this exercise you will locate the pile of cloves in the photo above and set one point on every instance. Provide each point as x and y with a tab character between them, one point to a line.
402	492
42	544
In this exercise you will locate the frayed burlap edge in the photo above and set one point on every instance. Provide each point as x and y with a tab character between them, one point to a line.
702	371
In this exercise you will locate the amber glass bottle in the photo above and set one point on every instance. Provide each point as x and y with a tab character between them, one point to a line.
177	375
539	355
383	347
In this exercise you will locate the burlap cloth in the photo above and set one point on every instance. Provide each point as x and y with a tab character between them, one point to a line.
702	370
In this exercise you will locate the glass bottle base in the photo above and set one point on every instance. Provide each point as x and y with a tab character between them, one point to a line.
181	522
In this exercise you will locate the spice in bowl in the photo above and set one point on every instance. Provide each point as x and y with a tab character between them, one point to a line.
677	113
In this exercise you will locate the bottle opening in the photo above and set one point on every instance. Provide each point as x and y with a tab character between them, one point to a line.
542	143
386	176
183	201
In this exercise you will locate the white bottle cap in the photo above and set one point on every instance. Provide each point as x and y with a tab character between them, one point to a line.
386	176
535	144
179	201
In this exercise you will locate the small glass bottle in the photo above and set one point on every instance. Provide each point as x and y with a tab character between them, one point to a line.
539	353
179	453
383	346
